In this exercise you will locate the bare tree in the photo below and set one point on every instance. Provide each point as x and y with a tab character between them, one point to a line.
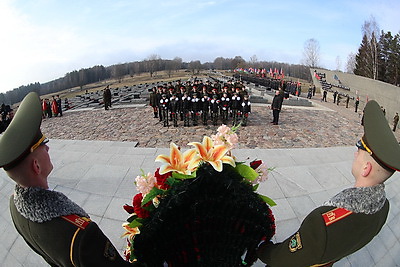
219	63
254	61
152	63
177	63
311	53
195	66
370	29
237	62
351	63
118	71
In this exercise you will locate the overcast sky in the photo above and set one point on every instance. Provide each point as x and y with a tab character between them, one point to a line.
42	40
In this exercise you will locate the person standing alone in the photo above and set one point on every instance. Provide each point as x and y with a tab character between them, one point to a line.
276	106
107	98
395	121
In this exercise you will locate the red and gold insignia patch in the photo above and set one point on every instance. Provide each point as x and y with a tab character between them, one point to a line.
78	221
335	215
295	243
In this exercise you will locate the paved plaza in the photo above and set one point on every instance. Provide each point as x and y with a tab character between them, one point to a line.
99	176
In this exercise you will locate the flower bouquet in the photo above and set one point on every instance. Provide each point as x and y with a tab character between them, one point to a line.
200	208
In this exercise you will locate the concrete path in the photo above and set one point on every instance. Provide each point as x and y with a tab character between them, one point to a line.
99	175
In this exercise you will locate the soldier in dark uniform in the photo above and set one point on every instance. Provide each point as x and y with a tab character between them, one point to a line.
205	107
180	97
178	86
195	108
347	100
186	103
54	226
154	102
356	104
309	94
214	108
236	105
159	97
164	106
334	96
225	106
351	219
174	109
246	110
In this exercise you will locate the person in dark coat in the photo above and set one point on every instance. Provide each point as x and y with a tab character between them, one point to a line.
339	97
186	103
395	121
276	106
214	109
107	98
195	109
164	107
246	110
59	105
159	97
357	103
205	107
154	102
347	101
334	96
353	217
236	106
225	107
174	109
51	224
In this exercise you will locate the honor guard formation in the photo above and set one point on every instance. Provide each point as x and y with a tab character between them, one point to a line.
198	101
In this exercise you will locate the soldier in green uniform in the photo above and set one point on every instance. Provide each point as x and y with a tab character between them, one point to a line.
352	218
51	224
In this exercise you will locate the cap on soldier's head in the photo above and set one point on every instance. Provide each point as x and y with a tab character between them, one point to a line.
378	138
23	135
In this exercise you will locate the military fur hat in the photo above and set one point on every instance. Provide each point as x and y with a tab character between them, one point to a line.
378	138
23	134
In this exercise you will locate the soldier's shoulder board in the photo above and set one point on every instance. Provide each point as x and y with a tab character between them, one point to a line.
81	222
335	215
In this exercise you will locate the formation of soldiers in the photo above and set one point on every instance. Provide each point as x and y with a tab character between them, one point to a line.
195	102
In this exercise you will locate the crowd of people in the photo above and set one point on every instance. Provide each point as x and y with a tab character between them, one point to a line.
195	102
62	232
52	107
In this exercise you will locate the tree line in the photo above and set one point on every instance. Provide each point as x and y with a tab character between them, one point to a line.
378	56
150	65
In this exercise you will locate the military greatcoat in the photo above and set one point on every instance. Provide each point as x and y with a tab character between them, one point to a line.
67	241
326	235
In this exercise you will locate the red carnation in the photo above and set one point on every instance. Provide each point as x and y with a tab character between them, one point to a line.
129	209
137	206
162	179
255	164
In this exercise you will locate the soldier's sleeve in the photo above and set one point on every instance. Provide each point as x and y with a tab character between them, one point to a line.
306	247
90	247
